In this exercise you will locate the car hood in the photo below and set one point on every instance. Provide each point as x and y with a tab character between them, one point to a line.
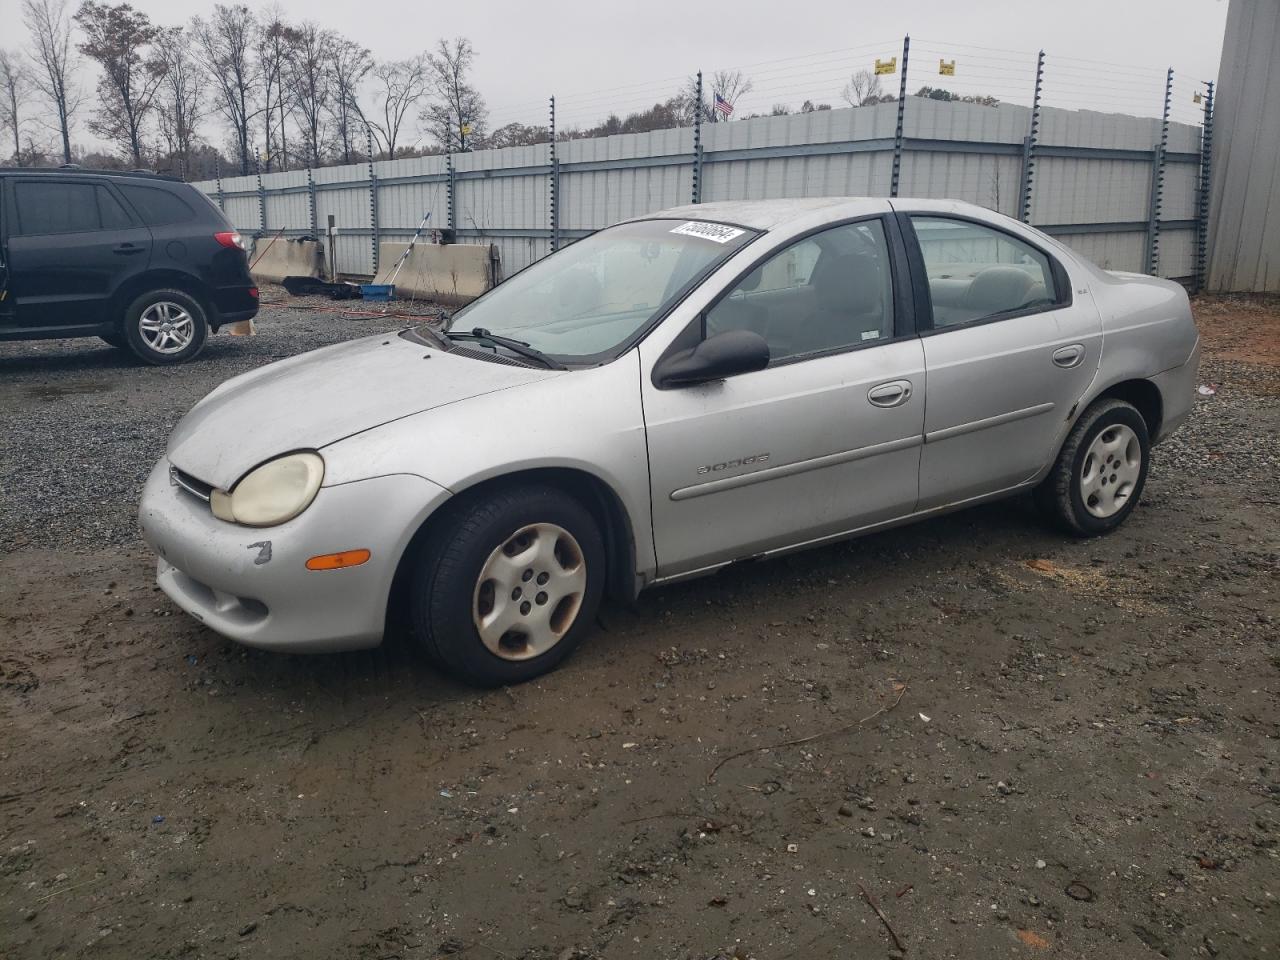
318	398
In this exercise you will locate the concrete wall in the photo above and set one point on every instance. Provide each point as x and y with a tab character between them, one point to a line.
273	259
451	274
1244	220
1091	188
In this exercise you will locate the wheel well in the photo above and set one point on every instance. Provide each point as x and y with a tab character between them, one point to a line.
158	280
1145	396
592	492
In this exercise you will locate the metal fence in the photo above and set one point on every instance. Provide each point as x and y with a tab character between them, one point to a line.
1126	191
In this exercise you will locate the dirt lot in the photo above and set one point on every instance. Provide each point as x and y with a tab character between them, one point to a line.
1069	749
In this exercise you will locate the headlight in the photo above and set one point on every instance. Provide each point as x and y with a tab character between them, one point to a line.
273	493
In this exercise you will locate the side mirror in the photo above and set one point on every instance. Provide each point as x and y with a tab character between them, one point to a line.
724	355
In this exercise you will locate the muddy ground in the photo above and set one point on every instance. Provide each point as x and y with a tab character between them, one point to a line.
1017	745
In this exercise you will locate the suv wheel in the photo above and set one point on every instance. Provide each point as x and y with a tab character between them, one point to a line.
1100	472
165	326
507	586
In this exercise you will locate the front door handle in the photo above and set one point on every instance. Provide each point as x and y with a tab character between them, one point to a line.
1069	356
127	248
891	394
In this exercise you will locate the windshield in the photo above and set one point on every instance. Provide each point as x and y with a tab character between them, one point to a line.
588	300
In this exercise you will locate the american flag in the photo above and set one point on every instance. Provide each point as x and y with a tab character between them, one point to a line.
723	105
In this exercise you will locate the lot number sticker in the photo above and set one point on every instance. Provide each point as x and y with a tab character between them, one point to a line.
715	232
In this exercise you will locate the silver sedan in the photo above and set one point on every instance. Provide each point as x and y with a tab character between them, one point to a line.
673	394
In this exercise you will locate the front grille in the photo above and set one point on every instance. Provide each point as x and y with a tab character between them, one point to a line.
196	487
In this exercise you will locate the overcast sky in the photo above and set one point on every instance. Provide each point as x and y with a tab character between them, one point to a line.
600	56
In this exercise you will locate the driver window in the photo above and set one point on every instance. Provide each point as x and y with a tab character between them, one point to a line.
830	291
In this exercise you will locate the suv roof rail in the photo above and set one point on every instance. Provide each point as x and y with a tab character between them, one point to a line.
77	168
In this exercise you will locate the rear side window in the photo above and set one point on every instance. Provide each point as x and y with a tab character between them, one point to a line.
114	215
157	207
52	207
977	272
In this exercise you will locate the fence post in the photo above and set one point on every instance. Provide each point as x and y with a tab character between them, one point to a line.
1157	182
311	202
373	200
262	198
449	186
1202	210
697	142
554	186
217	175
902	108
1029	146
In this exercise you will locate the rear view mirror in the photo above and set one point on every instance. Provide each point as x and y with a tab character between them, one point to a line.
717	357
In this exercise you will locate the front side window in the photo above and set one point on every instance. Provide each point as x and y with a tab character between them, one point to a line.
977	272
592	298
52	207
830	291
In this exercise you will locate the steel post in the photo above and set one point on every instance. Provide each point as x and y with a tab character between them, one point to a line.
697	142
262	198
451	182
1202	208
553	186
217	175
902	111
1029	147
373	201
311	203
1157	181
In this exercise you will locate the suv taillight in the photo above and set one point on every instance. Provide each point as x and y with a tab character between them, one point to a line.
229	238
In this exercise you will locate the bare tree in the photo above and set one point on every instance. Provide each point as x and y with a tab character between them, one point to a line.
14	84
456	116
349	64
275	45
226	41
401	85
310	85
118	38
50	30
863	88
730	84
180	102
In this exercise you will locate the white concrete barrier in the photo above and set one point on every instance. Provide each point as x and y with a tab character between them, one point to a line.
285	258
453	273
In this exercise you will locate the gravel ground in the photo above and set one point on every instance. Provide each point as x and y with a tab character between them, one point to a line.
1014	744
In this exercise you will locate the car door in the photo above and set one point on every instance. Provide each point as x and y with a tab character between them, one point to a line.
1009	349
71	244
826	438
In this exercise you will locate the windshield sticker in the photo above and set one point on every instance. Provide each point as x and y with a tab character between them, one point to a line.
715	232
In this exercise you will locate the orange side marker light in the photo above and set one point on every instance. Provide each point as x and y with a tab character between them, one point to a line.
338	561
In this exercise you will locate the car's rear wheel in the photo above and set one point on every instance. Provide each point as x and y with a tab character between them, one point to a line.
508	584
1098	477
165	326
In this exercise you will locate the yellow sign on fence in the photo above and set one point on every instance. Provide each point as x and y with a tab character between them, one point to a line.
887	66
947	69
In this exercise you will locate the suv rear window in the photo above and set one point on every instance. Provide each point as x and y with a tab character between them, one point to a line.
157	207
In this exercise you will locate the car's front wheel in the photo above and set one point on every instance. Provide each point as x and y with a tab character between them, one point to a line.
1098	477
508	583
165	326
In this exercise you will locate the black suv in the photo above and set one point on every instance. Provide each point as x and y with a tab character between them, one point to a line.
145	262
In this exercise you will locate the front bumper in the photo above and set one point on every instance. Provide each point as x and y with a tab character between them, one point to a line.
252	585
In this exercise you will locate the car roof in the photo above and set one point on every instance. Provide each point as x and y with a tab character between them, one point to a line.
772	214
75	170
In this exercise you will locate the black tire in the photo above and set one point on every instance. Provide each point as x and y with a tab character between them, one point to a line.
1060	496
445	587
146	350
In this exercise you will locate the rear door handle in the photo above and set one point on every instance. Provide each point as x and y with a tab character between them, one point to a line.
1069	356
891	394
127	248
